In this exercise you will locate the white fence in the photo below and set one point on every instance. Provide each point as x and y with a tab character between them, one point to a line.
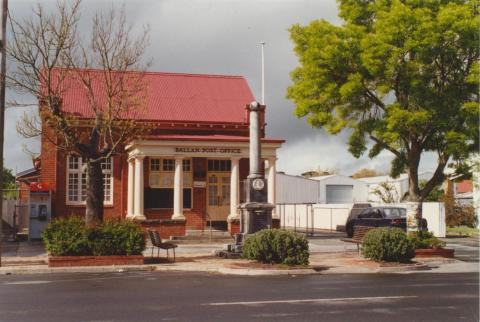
8	211
15	214
310	217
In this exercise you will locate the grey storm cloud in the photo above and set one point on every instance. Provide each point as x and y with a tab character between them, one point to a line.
222	37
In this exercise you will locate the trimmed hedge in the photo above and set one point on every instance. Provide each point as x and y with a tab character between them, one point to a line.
70	237
276	246
424	239
387	244
67	237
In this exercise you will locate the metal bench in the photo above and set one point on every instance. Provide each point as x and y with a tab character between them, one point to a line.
157	242
358	234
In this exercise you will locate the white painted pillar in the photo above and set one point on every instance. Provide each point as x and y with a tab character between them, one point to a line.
234	189
178	190
130	188
138	191
272	171
255	146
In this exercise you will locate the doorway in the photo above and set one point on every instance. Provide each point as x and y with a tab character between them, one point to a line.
218	196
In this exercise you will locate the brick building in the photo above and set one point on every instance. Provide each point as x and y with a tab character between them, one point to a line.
187	172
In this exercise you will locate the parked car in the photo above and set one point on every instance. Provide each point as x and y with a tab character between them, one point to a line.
379	217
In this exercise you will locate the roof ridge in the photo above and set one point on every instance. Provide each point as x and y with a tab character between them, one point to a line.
165	73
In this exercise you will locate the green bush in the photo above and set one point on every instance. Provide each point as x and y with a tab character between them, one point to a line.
387	244
277	246
114	237
66	237
70	237
424	239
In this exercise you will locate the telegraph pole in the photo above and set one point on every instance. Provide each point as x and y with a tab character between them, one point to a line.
3	63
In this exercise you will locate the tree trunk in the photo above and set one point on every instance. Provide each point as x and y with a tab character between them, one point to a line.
95	194
414	204
413	162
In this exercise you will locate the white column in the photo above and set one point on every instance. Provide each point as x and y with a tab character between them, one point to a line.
138	191
178	190
234	190
130	188
271	183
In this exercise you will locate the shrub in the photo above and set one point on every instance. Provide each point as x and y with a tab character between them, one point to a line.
70	237
114	237
461	215
387	244
66	237
277	246
424	239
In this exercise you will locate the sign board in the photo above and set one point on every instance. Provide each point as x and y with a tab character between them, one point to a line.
208	150
199	184
414	212
39	186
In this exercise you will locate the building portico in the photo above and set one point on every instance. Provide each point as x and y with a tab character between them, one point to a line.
207	167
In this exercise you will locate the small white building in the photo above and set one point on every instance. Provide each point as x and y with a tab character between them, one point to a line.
341	189
399	185
325	189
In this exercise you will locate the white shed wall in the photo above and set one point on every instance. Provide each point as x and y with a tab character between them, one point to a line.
294	189
360	192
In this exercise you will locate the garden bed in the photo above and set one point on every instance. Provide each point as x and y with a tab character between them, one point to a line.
435	252
69	261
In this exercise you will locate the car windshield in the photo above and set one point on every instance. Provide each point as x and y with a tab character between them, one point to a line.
395	212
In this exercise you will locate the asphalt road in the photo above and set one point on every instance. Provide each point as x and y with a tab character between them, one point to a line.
160	296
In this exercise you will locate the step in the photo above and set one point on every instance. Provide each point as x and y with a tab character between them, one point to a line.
223	241
208	233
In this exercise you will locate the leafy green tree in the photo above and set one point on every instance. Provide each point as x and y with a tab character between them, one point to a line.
435	195
8	179
400	76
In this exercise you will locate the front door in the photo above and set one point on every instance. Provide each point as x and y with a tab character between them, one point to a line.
218	198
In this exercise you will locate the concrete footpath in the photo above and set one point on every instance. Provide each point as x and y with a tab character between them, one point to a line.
328	256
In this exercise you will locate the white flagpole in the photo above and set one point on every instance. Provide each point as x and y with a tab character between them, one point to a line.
262	44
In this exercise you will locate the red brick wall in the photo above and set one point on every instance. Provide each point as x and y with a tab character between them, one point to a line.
234	227
48	172
54	172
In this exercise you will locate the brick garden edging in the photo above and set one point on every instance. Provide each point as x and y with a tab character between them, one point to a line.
429	252
69	261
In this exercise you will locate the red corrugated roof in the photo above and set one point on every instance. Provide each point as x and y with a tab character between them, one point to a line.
464	186
170	97
211	137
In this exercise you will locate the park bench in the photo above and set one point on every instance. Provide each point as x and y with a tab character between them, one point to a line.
157	242
358	234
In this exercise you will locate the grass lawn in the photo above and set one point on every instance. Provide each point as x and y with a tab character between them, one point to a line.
463	231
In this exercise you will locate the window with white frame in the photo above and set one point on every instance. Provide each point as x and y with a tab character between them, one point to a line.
161	183
77	180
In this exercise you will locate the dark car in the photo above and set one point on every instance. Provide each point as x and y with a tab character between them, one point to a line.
379	217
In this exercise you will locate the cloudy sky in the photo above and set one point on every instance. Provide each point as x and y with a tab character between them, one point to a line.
222	37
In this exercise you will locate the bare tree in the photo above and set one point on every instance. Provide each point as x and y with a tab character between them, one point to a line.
51	58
